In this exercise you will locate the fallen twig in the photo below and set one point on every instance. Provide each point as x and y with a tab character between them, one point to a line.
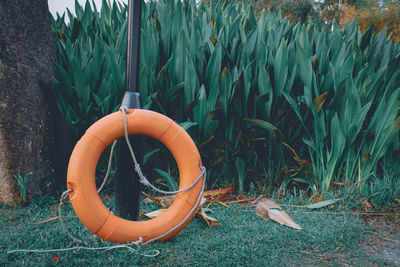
223	204
37	222
241	200
341	213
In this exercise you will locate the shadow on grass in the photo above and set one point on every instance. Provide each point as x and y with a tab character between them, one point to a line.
242	239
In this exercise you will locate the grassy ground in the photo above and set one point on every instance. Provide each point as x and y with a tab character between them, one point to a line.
242	239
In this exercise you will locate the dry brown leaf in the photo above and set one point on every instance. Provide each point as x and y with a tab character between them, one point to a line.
203	201
223	204
52	219
268	209
241	201
281	217
269	203
164	202
167	201
209	220
147	200
153	214
212	193
339	183
151	199
366	205
262	211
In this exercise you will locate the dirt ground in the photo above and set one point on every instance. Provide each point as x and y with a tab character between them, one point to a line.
384	242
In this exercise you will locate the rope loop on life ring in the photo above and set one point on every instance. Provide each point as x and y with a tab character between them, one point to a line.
81	177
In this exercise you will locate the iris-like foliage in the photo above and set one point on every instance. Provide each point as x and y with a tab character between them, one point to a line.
263	99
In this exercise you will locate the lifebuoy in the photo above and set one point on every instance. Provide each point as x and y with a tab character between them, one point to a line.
81	177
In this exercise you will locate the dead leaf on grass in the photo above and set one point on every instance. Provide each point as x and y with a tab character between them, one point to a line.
241	201
153	214
164	202
267	208
282	218
269	203
203	201
200	213
221	191
220	196
262	211
223	204
209	220
223	194
366	205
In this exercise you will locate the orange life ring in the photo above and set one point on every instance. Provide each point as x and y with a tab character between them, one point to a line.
81	177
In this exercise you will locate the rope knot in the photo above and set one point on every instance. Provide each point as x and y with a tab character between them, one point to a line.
138	242
124	109
144	181
138	170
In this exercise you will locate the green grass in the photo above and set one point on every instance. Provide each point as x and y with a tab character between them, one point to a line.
242	239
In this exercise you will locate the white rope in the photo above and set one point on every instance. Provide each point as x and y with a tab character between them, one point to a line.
63	197
154	254
65	194
187	216
108	167
138	170
146	182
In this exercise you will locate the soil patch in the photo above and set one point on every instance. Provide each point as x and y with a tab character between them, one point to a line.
384	242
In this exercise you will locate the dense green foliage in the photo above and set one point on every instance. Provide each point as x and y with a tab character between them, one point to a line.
265	100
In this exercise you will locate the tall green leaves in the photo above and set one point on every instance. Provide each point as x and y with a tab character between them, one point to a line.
90	68
281	66
258	95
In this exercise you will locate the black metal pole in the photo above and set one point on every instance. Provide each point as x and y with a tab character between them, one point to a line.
133	51
127	185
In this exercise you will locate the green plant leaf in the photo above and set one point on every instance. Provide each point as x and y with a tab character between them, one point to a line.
191	81
269	127
226	88
241	168
265	89
214	68
323	204
173	186
187	125
281	66
148	155
305	73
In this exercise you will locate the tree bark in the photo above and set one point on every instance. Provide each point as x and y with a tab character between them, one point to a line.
28	117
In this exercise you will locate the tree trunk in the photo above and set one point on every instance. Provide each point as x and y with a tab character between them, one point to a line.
28	119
